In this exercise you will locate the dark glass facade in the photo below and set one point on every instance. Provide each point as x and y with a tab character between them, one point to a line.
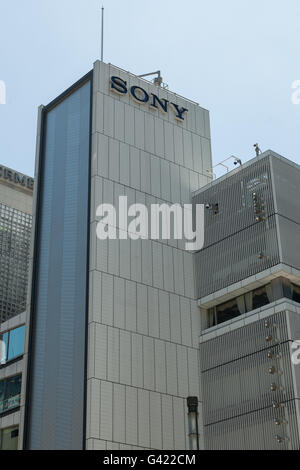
15	230
56	397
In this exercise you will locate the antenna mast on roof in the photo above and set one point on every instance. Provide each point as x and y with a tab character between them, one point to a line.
102	31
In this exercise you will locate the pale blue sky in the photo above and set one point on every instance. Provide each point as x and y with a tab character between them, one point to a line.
237	58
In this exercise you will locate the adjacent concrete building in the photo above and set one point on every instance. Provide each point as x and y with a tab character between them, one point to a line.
248	286
15	229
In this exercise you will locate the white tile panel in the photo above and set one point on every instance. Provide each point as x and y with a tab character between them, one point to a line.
160	366
95	415
96	277
100	352
98	114
159	138
119	120
196	323
169	141
109	111
167	422
188	149
124	164
197	153
175	183
125	258
178	145
113	257
102	155
102	254
194	372
153	312
206	124
129	124
148	354
106	409
189	275
113	160
125	357
142	309
157	249
145	172
175	318
108	191
131	415
155	421
155	176
182	364
206	154
168	268
185	193
200	125
119	302
178	272
119	413
135	168
136	260
146	262
130	193
194	181
186	324
172	388
137	360
149	133
179	419
144	418
139	126
164	315
166	180
107	299
113	354
130	310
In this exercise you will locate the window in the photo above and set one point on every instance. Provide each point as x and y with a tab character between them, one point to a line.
260	298
12	344
227	311
240	305
16	343
10	391
9	438
296	293
15	230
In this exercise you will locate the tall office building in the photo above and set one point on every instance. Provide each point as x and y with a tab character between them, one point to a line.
113	346
248	286
15	228
121	332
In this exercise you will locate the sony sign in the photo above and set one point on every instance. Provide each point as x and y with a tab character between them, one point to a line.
138	94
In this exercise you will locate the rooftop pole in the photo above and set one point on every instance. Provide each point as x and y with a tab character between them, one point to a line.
102	32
